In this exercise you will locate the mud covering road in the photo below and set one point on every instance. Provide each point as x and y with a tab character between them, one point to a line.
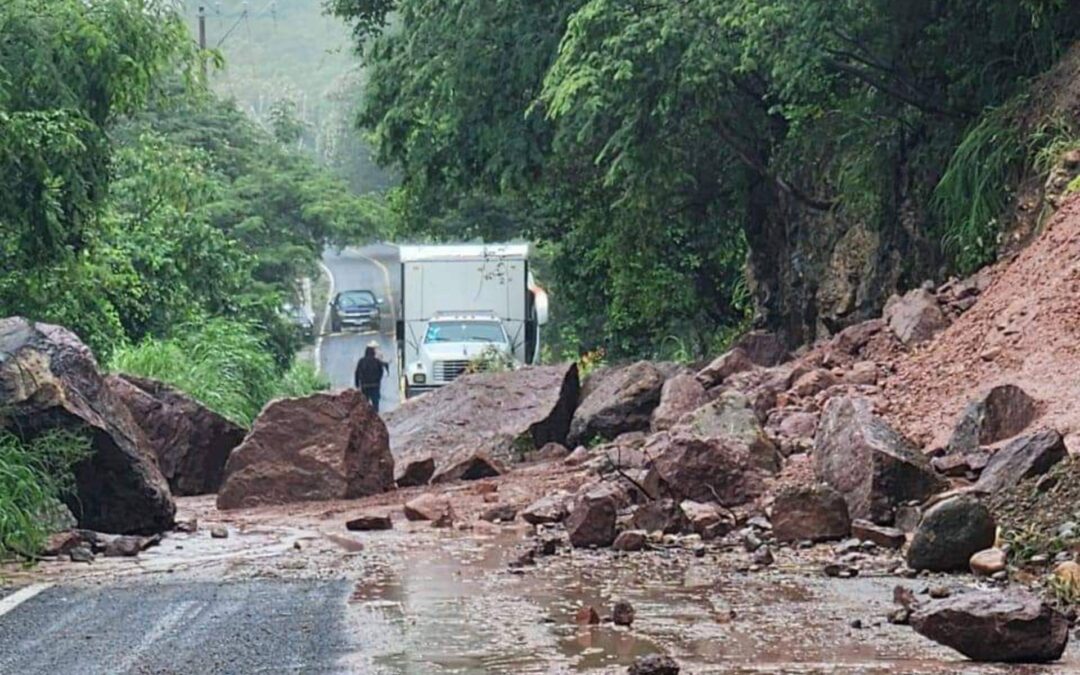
373	268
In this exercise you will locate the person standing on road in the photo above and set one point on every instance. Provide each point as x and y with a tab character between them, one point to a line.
369	374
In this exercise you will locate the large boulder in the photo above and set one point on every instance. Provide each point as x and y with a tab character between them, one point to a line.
949	533
622	401
705	469
321	447
1010	627
812	513
864	459
732	416
1022	458
191	442
916	317
506	414
680	394
50	380
1000	413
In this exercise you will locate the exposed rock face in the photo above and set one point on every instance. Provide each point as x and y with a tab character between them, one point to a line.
505	414
813	382
191	442
50	380
1023	458
1011	627
680	394
916	317
731	416
592	520
705	519
622	401
724	366
706	469
816	513
659	515
869	463
326	446
950	533
1001	413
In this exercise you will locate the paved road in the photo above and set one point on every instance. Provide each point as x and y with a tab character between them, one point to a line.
250	627
372	268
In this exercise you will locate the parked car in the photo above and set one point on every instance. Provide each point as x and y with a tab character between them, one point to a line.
355	309
301	320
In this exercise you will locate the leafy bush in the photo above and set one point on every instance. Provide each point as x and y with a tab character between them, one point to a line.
34	475
301	379
223	364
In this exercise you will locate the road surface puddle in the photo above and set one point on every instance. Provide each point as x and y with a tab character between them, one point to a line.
456	607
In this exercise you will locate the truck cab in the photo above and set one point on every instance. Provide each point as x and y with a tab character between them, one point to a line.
452	343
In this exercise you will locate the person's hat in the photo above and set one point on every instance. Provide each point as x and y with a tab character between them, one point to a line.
373	344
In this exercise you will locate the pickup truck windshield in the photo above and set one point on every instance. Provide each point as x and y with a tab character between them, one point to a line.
465	331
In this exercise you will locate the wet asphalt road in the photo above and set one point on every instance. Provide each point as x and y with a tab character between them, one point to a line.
373	268
250	627
261	626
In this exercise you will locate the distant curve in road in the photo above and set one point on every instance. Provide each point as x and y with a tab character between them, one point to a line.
373	268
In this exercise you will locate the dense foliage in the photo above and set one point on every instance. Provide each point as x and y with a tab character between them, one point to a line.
34	476
650	144
132	203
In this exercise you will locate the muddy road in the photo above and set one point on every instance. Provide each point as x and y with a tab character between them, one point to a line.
292	591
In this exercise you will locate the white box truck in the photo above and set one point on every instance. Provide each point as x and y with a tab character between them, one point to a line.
464	303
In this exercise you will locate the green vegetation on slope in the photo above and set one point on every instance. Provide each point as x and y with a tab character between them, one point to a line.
651	146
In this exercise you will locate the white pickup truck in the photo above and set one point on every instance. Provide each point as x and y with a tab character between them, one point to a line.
464	303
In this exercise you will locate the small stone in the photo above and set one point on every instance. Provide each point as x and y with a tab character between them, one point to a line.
81	554
187	526
587	616
699	551
1068	573
899	616
654	664
760	522
751	542
1039	559
219	532
503	513
939	591
988	562
1003	575
885	537
123	547
763	557
369	522
548	546
629	540
856	624
622	613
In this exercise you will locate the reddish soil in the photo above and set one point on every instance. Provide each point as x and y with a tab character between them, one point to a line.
1024	330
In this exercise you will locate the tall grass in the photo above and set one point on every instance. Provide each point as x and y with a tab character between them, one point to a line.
222	364
34	476
974	193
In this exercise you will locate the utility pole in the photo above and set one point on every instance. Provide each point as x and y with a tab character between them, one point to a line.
202	43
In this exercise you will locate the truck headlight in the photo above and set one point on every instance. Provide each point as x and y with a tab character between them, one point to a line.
419	378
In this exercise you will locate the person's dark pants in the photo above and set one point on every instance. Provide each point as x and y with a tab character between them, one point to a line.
373	394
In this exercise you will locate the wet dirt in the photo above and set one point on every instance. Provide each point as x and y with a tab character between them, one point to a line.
427	600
